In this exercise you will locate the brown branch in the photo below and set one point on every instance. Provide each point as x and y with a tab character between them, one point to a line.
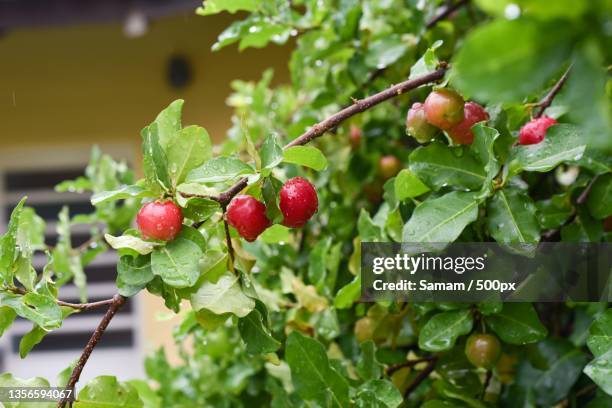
448	10
78	306
228	240
422	376
410	363
117	302
547	100
582	198
487	381
334	120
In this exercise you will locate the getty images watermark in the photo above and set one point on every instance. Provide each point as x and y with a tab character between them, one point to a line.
475	272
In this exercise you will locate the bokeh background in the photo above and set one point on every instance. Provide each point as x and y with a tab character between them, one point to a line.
78	73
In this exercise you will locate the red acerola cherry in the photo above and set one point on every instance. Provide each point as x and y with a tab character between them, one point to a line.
389	166
355	135
248	216
534	131
472	114
444	108
298	202
160	220
417	125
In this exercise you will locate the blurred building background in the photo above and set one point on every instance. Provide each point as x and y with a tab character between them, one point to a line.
74	73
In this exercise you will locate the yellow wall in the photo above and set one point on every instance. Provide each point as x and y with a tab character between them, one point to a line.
91	82
86	85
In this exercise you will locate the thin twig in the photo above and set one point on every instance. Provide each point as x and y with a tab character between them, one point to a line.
448	10
487	381
410	363
582	198
422	376
334	120
547	100
117	302
228	240
78	306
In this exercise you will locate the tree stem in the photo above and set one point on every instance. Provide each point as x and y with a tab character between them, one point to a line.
336	119
547	100
450	9
78	306
115	305
422	376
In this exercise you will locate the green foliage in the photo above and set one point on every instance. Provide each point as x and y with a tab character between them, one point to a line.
278	322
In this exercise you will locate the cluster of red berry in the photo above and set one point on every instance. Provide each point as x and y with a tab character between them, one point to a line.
298	202
445	109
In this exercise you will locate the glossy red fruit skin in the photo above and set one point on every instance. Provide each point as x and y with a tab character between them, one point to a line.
417	125
160	220
472	114
389	166
483	350
298	202
444	108
534	131
248	216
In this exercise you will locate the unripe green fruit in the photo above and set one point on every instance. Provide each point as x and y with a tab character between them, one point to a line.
483	350
389	166
417	125
444	108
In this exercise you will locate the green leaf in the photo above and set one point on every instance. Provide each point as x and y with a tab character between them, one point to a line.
348	294
368	367
428	63
30	232
600	334
198	209
9	381
149	396
439	166
507	60
600	371
133	191
442	330
408	185
217	6
177	263
187	149
39	309
106	391
271	152
154	161
313	376
368	230
133	274
562	364
378	393
256	335
441	219
7	316
275	234
30	339
600	197
224	296
512	217
483	148
8	250
562	143
517	323
168	122
131	242
385	51
305	156
219	169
